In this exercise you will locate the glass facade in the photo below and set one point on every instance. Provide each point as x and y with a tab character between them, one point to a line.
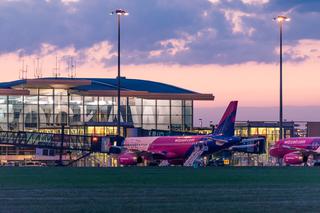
269	130
50	108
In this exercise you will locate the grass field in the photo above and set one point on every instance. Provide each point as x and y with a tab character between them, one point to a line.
229	189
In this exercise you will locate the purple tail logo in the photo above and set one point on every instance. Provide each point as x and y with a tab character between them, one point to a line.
226	124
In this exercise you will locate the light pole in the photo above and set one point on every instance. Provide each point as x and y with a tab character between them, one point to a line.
280	20
212	126
119	13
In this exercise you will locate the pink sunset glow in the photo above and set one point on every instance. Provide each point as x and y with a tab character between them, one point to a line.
253	84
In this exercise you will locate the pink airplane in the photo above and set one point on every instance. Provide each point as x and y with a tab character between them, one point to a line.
178	149
297	151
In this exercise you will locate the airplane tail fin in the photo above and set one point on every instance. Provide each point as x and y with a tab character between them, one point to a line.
226	124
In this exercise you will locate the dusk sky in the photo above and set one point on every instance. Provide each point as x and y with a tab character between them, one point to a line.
225	47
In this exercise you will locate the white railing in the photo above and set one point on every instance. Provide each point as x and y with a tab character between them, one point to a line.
198	150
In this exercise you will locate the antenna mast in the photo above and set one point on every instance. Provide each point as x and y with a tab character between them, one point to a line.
72	66
37	68
23	72
56	70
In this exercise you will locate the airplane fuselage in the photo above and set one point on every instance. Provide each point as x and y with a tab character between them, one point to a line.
297	151
172	147
289	145
178	147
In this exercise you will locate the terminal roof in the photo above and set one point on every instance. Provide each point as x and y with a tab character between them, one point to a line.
106	86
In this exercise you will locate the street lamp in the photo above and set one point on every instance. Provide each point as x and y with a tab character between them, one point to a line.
280	20
119	13
212	126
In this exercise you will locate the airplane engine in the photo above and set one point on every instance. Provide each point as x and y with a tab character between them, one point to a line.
293	158
129	159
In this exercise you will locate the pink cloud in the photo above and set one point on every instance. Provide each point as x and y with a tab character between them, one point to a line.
253	84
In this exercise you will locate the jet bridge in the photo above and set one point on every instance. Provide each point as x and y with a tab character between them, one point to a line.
52	141
79	143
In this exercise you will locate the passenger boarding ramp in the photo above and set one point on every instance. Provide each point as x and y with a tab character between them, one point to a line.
198	150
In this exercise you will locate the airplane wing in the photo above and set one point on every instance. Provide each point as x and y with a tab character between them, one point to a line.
250	145
242	146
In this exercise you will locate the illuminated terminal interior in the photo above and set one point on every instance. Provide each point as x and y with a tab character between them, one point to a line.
89	106
269	130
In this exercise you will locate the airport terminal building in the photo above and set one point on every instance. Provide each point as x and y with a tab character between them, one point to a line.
87	103
89	106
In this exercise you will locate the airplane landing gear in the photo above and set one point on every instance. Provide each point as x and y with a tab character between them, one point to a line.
310	161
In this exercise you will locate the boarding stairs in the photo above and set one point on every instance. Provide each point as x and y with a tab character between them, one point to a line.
164	163
198	150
